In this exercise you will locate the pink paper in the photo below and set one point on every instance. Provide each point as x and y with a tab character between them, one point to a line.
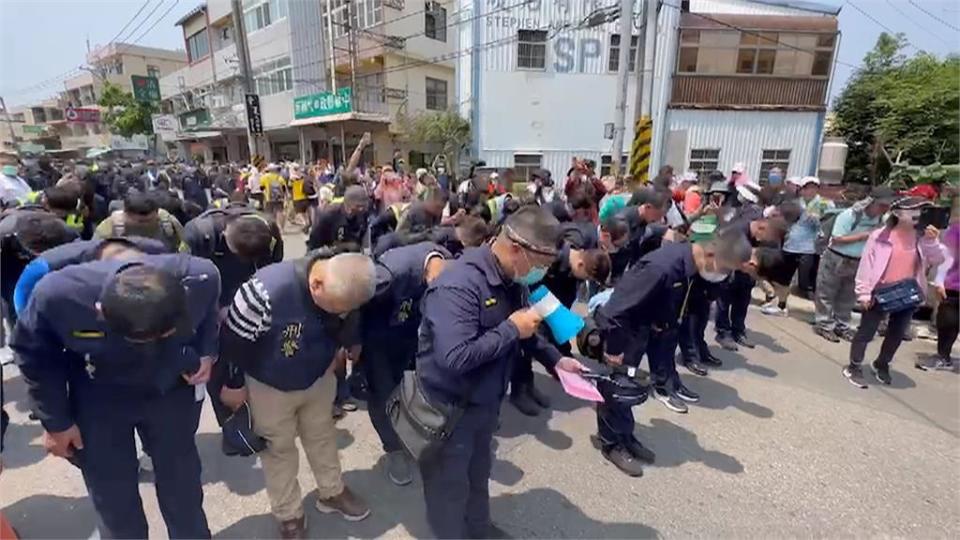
578	387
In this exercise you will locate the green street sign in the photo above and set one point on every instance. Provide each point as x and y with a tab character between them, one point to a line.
33	130
323	104
195	119
145	88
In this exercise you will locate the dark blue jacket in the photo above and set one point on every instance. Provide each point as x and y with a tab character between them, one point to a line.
13	257
467	344
651	295
204	235
60	340
275	333
394	313
77	252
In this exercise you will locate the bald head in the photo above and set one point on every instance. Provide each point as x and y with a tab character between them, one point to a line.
343	282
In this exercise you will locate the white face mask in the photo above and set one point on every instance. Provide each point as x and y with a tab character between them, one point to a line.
714	277
904	217
531	188
547	193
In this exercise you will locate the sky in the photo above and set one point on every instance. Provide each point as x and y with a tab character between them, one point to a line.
42	39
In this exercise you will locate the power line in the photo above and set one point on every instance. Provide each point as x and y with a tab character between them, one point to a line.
878	23
932	16
145	19
135	15
155	23
922	27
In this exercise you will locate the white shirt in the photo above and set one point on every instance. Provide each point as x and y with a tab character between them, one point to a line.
13	188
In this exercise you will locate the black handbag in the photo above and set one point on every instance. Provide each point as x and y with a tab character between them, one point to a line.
898	296
422	425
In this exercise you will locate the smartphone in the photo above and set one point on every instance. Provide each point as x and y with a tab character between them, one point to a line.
938	216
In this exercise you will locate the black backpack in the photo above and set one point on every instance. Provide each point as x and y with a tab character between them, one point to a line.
826	228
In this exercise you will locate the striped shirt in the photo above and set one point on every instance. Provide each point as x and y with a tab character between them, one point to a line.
250	314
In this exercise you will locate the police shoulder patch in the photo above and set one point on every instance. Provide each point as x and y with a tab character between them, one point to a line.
87	334
492	301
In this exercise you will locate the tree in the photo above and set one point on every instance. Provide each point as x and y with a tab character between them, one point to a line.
896	108
124	115
447	130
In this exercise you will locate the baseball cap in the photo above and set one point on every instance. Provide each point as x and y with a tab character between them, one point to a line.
883	195
910	203
809	180
739	167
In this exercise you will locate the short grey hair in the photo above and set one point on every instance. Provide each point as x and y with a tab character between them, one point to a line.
731	246
351	277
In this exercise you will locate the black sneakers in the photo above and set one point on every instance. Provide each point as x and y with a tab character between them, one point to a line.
854	375
881	372
670	400
694	367
686	394
624	460
710	360
827	334
539	397
524	403
727	342
742	339
640	451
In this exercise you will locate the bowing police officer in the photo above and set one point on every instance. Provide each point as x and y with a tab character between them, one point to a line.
643	315
390	323
76	252
111	346
238	240
476	320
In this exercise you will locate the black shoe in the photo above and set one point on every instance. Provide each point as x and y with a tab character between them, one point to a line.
539	397
881	372
694	367
670	400
710	360
845	333
853	373
921	365
686	394
943	364
491	532
826	334
727	342
742	339
640	451
624	460
524	403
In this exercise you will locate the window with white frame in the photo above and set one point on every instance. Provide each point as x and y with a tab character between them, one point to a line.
525	164
259	14
613	62
773	158
704	161
274	77
153	71
198	45
606	164
435	21
366	14
532	49
436	94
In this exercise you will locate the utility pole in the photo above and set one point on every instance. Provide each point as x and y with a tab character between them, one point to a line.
6	118
243	56
623	72
640	150
333	52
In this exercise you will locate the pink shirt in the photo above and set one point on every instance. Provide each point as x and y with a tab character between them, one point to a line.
903	259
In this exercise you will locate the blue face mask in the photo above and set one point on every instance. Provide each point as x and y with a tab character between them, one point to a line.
774	179
535	275
10	170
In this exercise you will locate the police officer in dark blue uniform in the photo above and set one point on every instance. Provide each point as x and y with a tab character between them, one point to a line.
643	316
110	346
25	232
644	219
476	319
77	252
343	224
390	323
238	240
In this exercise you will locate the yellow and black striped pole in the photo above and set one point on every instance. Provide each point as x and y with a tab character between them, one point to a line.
639	165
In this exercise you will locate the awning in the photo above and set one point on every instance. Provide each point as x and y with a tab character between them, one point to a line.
190	135
342	117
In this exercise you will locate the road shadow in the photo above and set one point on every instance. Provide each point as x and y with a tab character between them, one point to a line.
52	516
716	395
929	358
241	474
503	471
766	341
15	394
675	445
515	424
547	513
734	360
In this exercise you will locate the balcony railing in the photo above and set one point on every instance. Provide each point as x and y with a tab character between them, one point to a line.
745	92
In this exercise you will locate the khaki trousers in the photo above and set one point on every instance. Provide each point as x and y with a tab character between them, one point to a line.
280	417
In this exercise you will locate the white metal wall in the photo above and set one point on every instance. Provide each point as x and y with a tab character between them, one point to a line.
742	135
742	7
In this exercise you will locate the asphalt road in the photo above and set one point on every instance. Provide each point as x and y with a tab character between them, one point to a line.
780	446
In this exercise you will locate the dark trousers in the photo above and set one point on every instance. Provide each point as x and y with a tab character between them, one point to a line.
343	389
383	369
732	305
615	422
869	323
693	347
107	416
948	323
522	375
456	480
218	377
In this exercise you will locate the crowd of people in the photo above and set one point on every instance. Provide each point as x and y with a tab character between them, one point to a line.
134	291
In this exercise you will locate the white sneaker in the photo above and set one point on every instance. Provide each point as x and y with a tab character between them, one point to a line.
773	309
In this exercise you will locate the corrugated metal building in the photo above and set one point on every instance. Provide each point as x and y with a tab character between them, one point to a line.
734	81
